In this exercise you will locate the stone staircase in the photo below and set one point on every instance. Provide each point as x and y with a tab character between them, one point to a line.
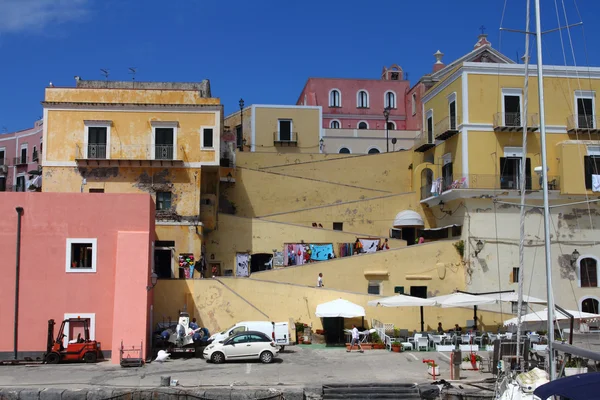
399	391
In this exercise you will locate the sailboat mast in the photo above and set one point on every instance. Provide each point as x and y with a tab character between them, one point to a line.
538	36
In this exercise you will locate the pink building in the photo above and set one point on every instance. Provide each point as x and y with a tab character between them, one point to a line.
81	255
19	154
359	103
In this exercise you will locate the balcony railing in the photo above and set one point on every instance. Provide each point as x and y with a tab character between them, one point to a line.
20	160
118	151
285	139
163	151
446	128
424	141
582	123
96	151
513	122
491	182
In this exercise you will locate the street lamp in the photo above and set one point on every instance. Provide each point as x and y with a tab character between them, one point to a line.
386	115
574	257
240	144
153	281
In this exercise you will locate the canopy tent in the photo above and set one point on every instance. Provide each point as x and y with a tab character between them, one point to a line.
514	297
401	300
339	308
541	316
459	299
408	218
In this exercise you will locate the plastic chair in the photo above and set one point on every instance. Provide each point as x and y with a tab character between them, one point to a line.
465	339
422	342
415	338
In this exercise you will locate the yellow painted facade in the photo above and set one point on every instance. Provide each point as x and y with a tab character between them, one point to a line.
129	154
260	160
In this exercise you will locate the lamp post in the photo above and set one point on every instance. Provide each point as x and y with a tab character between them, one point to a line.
240	144
386	115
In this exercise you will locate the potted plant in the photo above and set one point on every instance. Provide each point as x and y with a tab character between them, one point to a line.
396	347
471	362
433	368
377	344
575	366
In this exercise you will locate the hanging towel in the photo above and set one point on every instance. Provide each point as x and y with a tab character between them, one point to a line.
595	183
321	252
369	246
434	186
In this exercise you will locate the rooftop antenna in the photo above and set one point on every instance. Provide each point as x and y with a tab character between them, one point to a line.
105	73
132	71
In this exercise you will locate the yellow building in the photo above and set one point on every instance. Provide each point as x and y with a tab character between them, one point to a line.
128	137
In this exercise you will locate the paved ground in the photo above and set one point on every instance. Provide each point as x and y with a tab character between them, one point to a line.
297	366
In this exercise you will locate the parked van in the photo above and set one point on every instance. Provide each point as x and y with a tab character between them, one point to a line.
279	331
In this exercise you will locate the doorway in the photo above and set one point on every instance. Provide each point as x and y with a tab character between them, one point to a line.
163	263
589	305
410	235
214	269
512	110
334	331
510	173
261	262
421	292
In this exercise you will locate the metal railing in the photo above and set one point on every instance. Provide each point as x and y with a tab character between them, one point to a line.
491	182
290	137
583	122
424	138
119	151
20	160
163	152
515	120
446	126
34	156
96	151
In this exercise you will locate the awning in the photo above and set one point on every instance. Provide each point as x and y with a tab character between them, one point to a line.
339	308
408	218
461	300
440	228
514	297
400	300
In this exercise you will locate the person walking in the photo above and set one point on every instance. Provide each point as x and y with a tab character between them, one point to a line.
355	339
320	280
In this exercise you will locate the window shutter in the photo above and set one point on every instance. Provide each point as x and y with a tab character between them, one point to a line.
528	173
588	171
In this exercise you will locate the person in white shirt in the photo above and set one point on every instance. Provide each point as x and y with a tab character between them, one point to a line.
355	339
320	280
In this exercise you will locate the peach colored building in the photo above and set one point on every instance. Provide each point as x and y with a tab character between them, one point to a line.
20	153
81	254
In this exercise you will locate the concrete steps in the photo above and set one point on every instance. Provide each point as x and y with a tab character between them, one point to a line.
371	391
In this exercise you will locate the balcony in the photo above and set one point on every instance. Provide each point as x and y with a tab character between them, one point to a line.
582	124
20	160
513	122
3	161
285	139
142	155
446	128
424	141
35	156
491	183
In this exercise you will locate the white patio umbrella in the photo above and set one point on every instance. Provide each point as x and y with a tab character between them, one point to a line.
514	297
541	316
459	299
339	308
401	300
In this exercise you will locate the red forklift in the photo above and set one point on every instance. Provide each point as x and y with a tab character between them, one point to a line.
80	349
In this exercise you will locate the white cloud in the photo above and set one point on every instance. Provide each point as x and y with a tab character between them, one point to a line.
34	15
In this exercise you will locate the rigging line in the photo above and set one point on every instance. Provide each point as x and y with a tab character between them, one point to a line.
498	258
521	272
534	258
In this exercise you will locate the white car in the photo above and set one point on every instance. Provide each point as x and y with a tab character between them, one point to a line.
249	345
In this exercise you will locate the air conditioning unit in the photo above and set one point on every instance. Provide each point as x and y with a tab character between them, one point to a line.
3	169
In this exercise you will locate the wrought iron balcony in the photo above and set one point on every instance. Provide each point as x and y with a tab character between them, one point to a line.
582	123
446	128
513	122
163	152
119	154
424	141
285	139
20	160
96	151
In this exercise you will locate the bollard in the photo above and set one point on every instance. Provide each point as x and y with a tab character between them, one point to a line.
456	360
165	381
432	366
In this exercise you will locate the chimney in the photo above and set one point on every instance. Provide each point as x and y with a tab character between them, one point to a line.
438	61
482	41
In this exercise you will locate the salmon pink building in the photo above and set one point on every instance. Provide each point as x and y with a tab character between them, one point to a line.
82	255
20	155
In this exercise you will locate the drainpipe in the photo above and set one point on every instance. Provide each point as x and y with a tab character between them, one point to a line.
17	267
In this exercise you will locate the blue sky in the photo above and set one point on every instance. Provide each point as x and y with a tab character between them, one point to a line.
262	51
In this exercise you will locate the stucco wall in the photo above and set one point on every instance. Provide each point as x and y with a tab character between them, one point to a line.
259	160
306	128
238	234
123	227
385	172
113	95
258	193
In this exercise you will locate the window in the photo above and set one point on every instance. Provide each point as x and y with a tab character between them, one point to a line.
338	226
239	134
334	124
362	99
374	287
163	200
335	98
399	289
391	125
588	272
2	184
585	109
257	338
591	167
285	130
23	156
590	305
515	307
390	99
96	190
363	125
430	126
163	145
97	141
511	107
510	172
34	156
238	329
447	174
3	156
81	255
395	233
344	150
414	104
207	138
452	112
240	339
515	275
20	187
374	150
72	331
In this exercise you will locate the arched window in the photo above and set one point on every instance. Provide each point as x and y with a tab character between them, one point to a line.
335	98
374	150
362	99
588	272
390	99
391	125
363	125
344	150
334	124
590	305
